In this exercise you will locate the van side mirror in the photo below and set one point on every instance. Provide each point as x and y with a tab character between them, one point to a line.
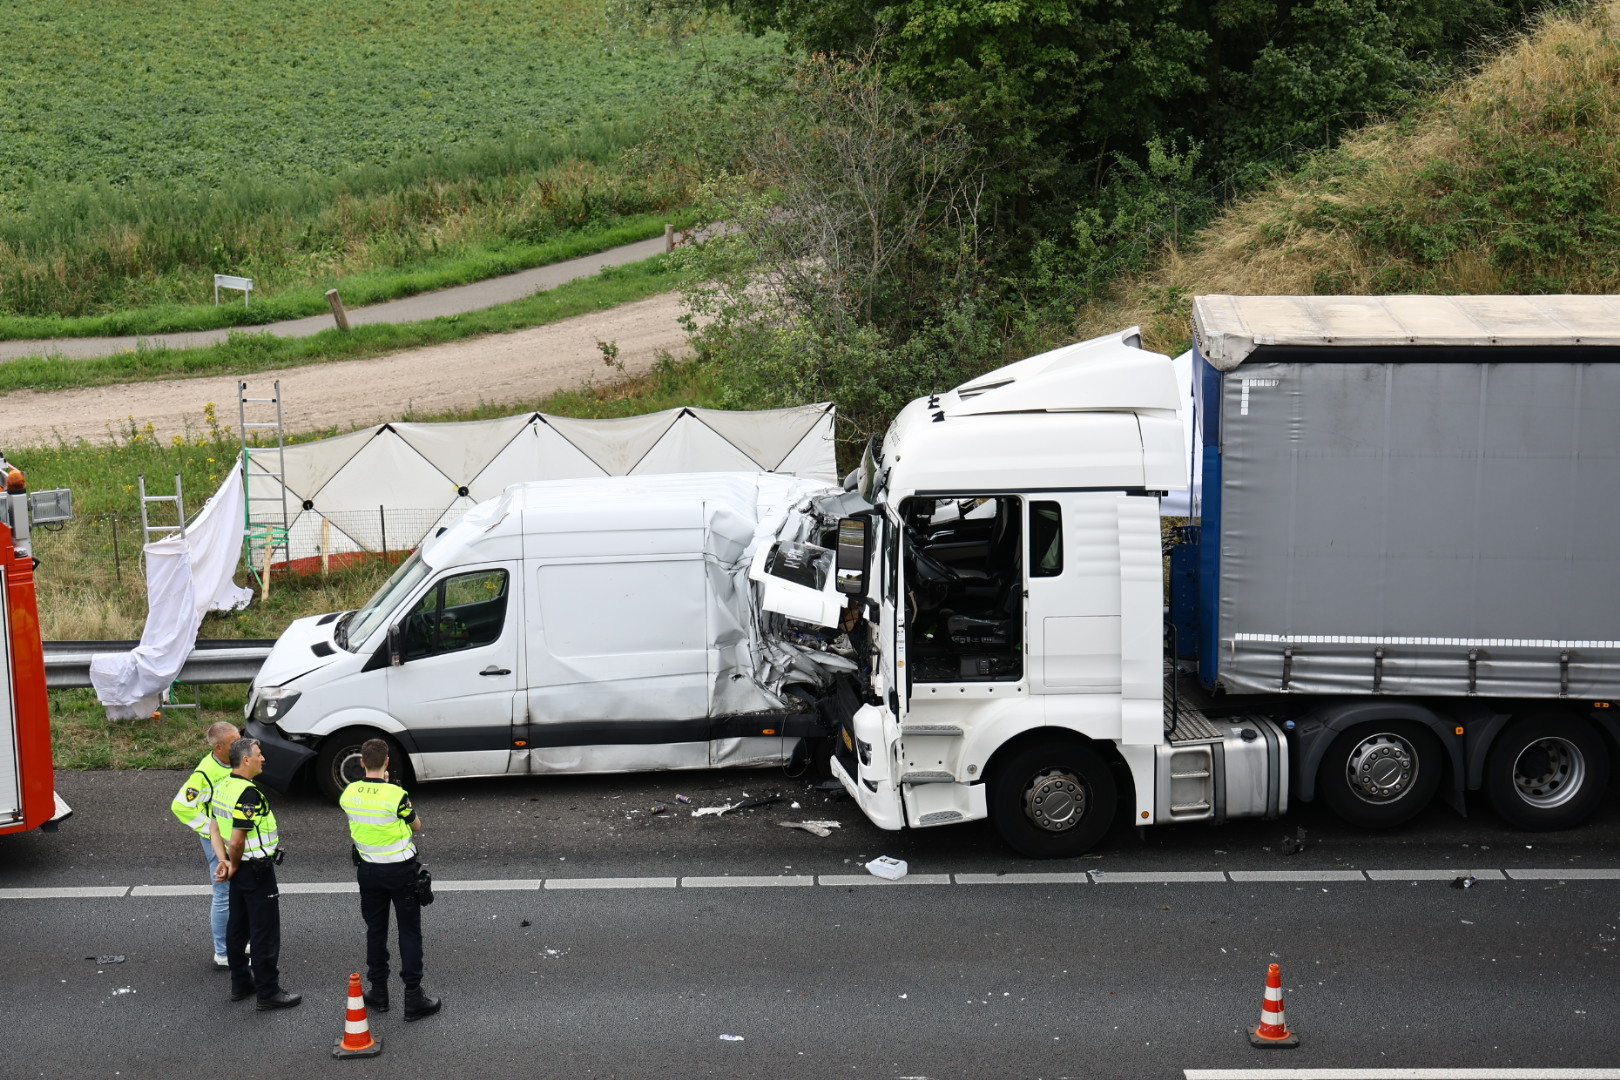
853	556
396	655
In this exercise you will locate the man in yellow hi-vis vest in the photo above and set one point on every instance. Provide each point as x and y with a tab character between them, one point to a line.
248	861
383	825
193	805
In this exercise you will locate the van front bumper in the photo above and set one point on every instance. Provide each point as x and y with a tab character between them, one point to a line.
283	758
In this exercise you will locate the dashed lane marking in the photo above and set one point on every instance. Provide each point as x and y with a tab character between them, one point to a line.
742	881
1402	1074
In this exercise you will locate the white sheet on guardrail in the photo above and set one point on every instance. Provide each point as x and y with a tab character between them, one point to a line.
187	576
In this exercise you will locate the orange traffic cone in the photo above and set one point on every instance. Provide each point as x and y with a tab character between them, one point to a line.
357	1041
1273	1030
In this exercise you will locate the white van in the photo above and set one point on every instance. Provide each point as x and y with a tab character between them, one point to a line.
601	625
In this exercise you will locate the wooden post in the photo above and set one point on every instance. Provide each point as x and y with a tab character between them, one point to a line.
669	238
326	545
338	313
264	572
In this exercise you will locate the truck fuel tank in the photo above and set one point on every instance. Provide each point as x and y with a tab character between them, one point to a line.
1213	770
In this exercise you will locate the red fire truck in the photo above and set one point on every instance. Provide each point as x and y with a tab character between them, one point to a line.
28	798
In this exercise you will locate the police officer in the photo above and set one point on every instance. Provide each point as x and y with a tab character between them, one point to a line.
193	806
383	825
249	864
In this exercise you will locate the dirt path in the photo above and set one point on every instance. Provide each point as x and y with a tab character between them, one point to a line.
498	369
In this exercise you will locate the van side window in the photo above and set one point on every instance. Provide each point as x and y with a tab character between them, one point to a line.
460	612
1045	539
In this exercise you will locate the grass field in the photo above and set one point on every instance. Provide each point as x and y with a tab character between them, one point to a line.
146	146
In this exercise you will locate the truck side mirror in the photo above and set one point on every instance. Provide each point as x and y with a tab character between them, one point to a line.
852	556
396	655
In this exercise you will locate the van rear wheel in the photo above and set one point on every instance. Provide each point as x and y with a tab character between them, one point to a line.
338	765
1052	800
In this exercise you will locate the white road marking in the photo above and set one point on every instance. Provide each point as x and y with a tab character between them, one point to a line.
1298	875
611	883
743	882
1402	1074
1161	877
869	879
1433	875
1564	875
1016	879
492	885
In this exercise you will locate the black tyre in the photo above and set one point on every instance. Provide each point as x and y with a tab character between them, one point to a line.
1382	774
1547	772
337	765
1052	800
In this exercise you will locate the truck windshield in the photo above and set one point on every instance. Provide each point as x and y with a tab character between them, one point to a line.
364	623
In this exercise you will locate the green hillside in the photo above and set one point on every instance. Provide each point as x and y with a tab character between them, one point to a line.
1506	182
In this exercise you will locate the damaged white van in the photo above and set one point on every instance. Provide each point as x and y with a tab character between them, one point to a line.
601	625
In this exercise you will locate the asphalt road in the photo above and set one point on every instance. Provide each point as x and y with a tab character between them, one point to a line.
965	969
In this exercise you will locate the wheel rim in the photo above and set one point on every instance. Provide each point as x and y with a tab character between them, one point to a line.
1549	772
1382	768
347	767
1055	800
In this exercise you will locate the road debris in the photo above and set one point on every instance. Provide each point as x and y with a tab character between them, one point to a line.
1464	882
887	868
110	958
1293	845
731	1038
660	809
705	811
683	798
819	828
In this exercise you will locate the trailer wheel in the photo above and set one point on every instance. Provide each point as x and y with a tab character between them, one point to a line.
1546	772
337	765
1382	774
1051	800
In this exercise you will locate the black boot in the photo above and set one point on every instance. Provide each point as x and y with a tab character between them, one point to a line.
376	998
418	1004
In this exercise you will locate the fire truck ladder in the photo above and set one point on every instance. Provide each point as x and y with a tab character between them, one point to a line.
150	532
266	536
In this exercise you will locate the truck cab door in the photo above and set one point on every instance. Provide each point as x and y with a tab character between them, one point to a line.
455	689
1095	609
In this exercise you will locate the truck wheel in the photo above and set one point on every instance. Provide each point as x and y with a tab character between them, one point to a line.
1382	774
337	765
1052	800
1546	772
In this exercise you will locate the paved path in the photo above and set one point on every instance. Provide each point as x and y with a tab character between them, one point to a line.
459	300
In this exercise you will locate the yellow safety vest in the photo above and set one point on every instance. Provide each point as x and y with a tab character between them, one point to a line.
241	804
194	801
380	817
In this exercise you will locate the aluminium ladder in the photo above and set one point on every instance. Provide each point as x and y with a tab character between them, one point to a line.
150	532
264	535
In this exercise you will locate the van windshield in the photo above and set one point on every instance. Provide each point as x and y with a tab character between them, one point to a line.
356	629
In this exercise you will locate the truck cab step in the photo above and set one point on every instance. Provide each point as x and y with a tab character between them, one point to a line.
948	731
927	778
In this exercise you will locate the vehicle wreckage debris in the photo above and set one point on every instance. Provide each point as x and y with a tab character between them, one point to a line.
111	958
887	868
820	828
746	804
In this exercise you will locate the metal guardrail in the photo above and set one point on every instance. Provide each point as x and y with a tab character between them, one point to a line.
67	663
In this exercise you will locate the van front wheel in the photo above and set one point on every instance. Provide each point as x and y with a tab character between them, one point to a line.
1052	800
338	764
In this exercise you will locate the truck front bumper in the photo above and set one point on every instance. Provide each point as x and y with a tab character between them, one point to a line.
282	757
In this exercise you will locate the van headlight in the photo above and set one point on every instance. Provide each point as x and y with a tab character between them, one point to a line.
273	703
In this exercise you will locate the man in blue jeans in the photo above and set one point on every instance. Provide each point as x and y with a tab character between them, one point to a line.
193	805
